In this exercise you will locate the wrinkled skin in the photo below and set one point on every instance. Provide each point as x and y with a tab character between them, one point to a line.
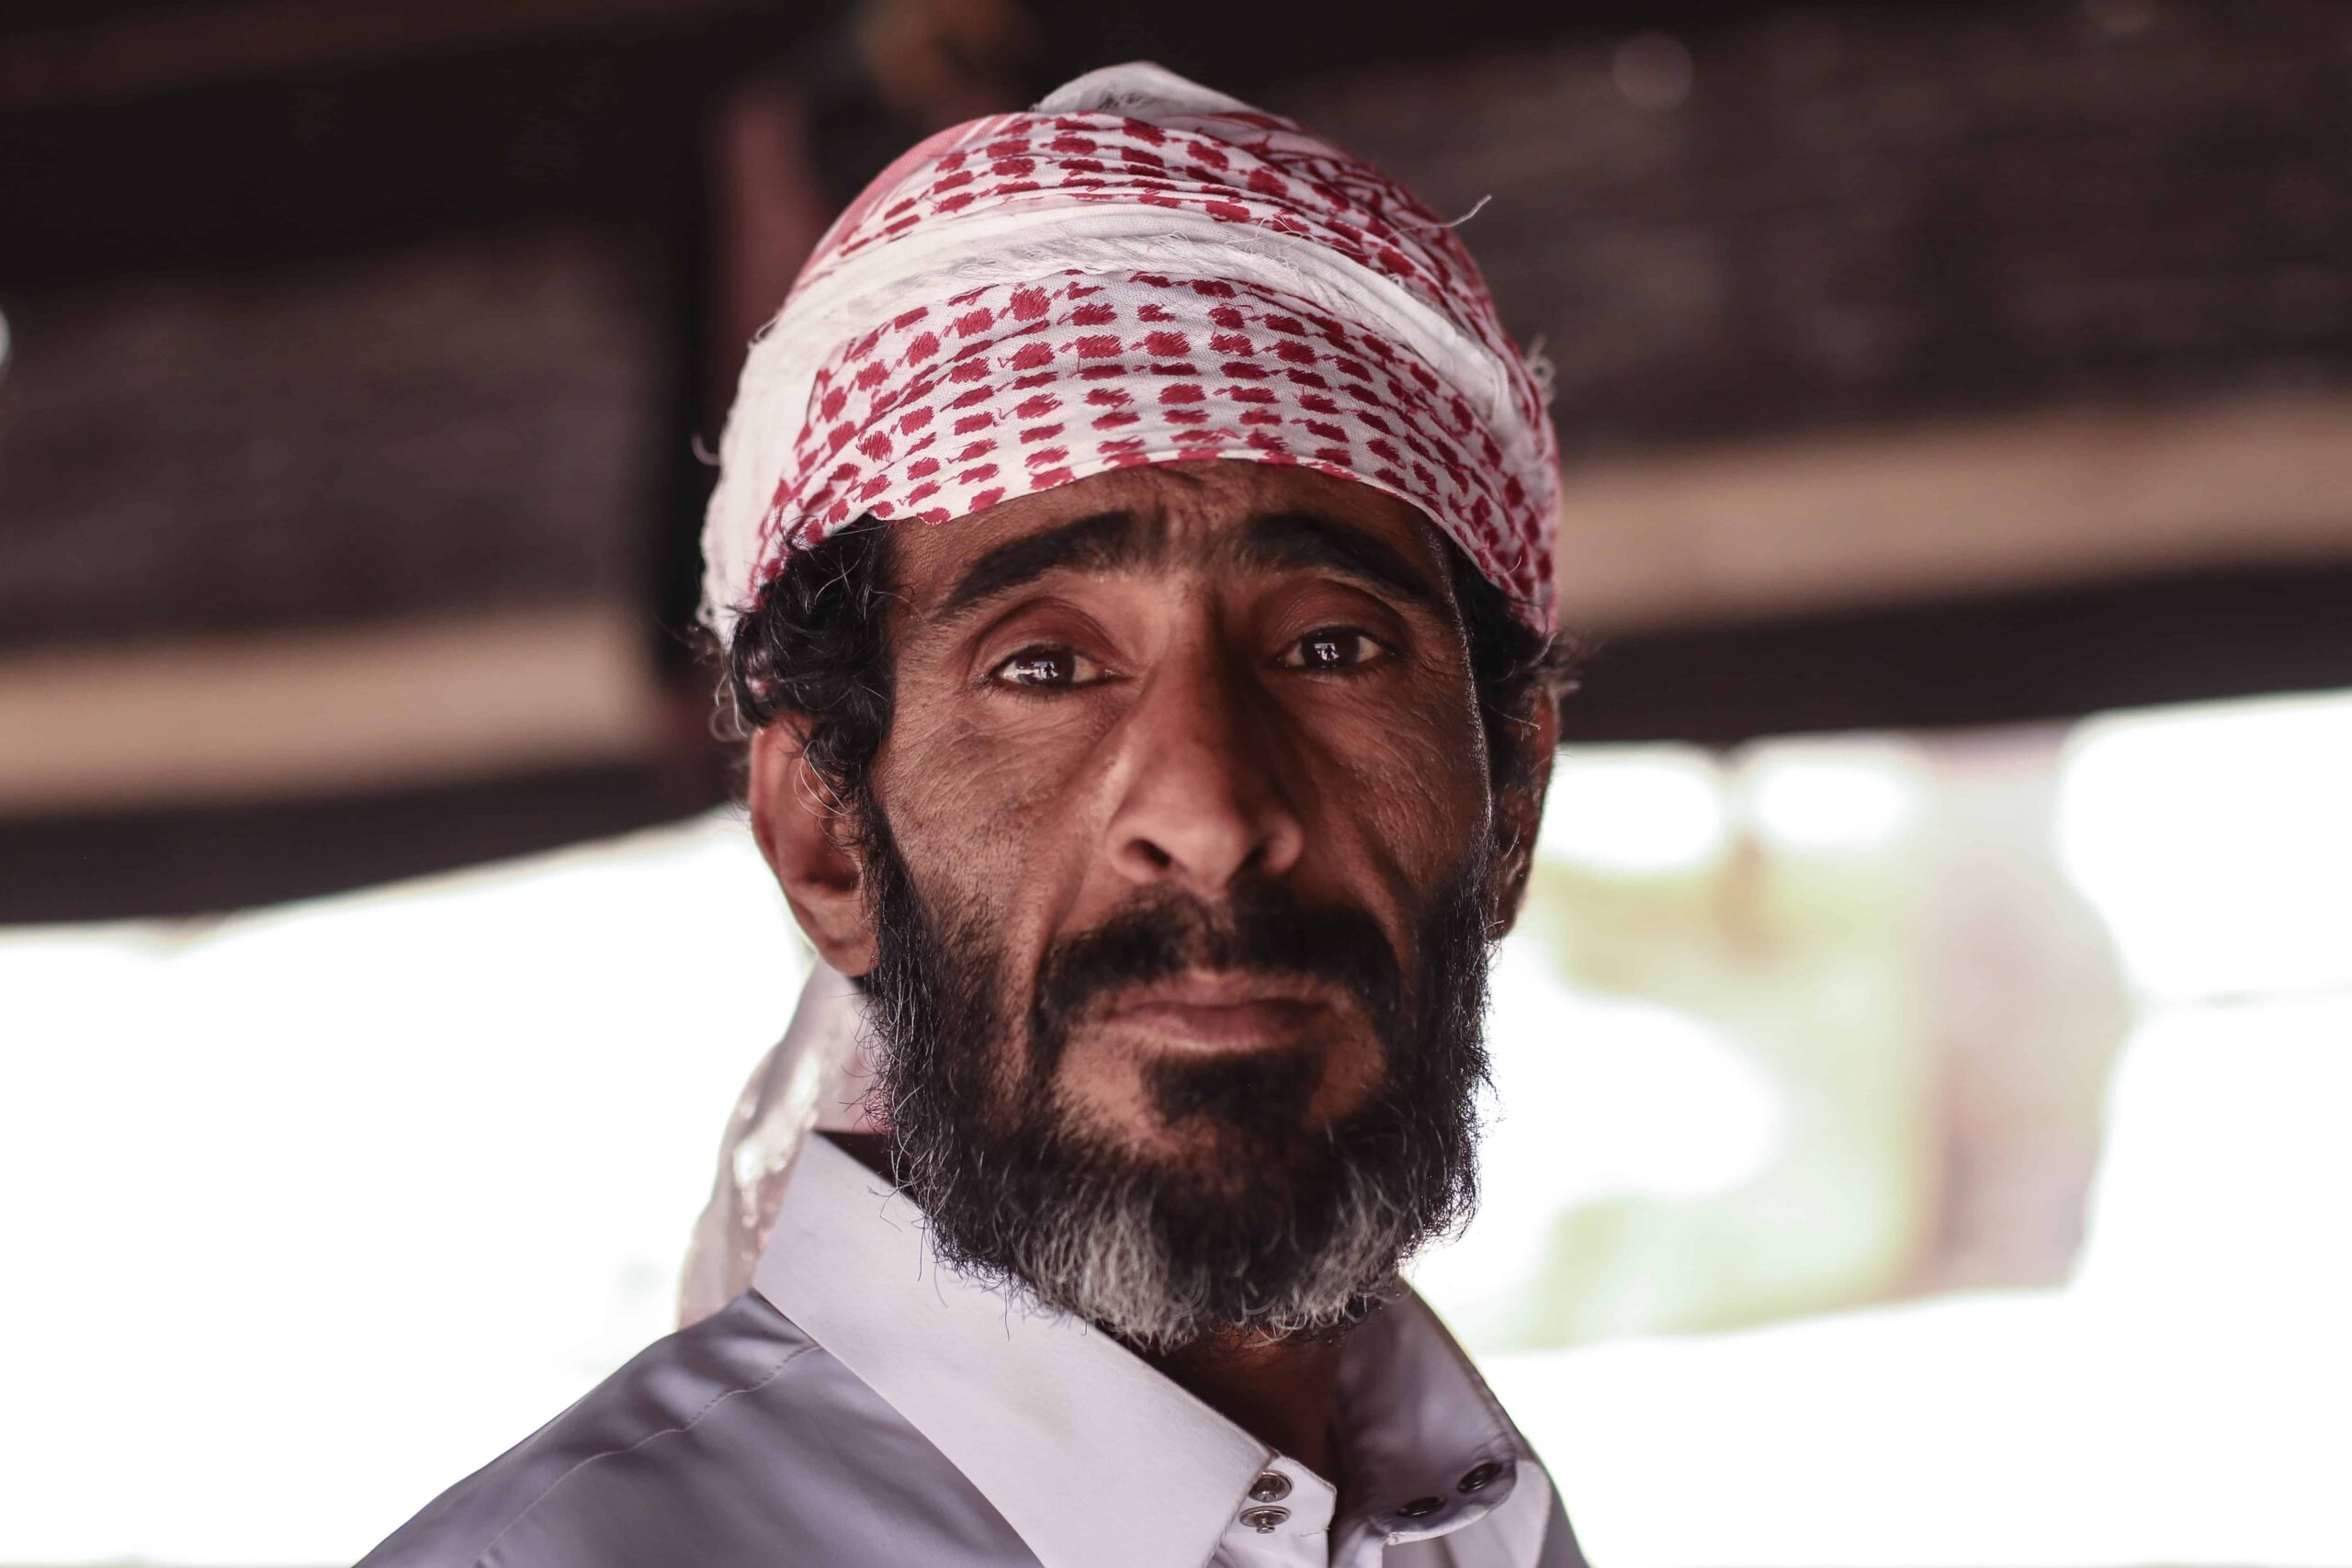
1186	699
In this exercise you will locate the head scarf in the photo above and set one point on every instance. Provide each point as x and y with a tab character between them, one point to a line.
1139	270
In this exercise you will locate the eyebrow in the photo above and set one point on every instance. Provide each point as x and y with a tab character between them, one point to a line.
1115	541
1289	541
1104	542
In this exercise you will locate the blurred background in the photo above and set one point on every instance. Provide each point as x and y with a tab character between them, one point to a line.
1921	1078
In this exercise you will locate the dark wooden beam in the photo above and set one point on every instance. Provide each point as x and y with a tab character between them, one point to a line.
164	862
127	51
593	129
1966	663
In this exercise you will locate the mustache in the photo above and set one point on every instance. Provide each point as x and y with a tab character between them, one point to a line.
1265	928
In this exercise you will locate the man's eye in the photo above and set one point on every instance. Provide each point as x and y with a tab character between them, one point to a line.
1332	648
1044	668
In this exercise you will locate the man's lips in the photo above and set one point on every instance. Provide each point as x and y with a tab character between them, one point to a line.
1222	1011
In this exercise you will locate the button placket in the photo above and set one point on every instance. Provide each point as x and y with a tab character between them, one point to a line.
1286	1509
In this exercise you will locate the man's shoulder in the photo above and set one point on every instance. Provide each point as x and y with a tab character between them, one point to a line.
662	1398
709	1446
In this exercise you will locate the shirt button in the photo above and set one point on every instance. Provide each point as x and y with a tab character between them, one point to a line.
1264	1520
1420	1508
1482	1476
1271	1487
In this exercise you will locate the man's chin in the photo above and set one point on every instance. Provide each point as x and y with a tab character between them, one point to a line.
1270	1095
1221	1125
1207	1166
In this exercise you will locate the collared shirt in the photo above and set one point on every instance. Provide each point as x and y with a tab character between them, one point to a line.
861	1405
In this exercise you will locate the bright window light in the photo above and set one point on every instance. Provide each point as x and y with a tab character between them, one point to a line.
1595	1097
2216	841
352	1194
1634	811
2181	1402
1835	796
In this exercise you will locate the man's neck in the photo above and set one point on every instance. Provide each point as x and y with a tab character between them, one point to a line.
1282	1392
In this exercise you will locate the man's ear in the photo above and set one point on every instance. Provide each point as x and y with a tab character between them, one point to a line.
1519	810
803	831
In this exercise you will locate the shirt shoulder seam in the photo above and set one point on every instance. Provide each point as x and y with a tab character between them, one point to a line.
482	1559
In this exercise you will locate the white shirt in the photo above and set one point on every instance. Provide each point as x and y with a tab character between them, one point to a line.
861	1405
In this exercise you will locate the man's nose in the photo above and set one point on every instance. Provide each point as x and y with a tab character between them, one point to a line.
1204	801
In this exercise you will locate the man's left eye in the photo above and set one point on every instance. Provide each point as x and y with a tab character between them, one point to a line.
1332	648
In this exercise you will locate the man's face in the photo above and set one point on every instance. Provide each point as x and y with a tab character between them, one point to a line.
1182	876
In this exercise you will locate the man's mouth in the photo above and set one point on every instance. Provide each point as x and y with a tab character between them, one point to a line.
1222	1012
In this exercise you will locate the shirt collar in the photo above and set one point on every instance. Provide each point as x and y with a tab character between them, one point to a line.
1076	1441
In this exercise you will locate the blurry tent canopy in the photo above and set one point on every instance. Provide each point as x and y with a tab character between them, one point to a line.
1917	367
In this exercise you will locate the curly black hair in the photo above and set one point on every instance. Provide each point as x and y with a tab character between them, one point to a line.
815	647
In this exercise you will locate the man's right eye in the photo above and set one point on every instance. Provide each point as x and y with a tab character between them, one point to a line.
1045	668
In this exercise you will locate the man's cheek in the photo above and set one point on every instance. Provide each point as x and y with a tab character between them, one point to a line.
1397	753
1416	829
991	794
1353	1073
968	814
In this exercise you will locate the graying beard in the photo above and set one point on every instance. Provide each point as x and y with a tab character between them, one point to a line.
1100	1251
1100	1257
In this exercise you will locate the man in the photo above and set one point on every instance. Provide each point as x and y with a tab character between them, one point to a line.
1161	805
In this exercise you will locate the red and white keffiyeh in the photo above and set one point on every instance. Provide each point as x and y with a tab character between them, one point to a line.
1139	270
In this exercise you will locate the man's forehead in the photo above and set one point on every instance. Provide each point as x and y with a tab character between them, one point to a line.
1224	513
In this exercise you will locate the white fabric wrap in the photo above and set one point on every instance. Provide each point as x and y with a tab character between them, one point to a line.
814	1076
1038	236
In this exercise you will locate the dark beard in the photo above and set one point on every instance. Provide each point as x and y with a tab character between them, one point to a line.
1289	1228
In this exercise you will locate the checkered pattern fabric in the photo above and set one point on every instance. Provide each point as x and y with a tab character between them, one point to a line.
1137	271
